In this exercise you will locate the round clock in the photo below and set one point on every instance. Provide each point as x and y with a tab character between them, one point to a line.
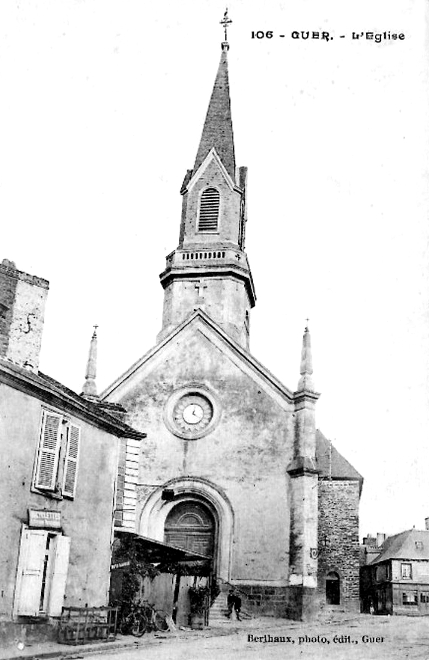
192	413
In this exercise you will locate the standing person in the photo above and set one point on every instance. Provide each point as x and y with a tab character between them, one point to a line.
234	603
230	602
237	605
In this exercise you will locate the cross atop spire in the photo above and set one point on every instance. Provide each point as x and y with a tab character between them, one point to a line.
225	22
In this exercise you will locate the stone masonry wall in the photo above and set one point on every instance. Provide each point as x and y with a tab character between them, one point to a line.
262	600
22	305
338	538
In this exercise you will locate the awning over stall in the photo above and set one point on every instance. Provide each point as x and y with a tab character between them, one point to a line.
157	552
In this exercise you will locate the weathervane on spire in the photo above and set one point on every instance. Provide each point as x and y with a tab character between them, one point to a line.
225	22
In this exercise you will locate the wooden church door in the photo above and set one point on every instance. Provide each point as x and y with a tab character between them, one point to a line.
190	525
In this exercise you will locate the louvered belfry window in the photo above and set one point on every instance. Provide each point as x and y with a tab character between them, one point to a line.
209	210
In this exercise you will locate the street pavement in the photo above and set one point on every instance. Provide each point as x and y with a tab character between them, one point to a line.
359	637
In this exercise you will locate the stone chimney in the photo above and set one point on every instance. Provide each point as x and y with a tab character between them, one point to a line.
22	307
380	539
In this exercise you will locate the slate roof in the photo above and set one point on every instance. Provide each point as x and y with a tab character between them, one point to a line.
331	464
403	546
50	390
217	132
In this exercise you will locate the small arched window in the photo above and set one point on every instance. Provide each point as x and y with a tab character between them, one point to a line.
209	210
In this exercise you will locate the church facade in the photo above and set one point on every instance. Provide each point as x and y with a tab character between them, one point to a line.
233	466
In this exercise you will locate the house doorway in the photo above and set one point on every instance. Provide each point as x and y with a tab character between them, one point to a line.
190	525
333	588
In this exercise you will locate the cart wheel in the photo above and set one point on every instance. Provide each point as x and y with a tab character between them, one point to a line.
160	620
139	625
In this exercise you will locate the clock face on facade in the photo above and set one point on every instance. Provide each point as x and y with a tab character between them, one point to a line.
192	413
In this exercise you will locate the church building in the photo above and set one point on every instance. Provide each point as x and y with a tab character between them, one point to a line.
233	466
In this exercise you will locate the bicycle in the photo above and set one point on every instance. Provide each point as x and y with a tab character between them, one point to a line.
133	622
155	619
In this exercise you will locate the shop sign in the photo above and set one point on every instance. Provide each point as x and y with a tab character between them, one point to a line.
43	518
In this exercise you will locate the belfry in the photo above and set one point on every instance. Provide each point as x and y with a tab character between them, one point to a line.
233	466
209	270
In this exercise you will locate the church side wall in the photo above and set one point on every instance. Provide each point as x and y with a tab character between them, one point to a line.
338	539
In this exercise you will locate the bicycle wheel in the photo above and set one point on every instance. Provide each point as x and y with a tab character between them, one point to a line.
139	625
125	625
160	620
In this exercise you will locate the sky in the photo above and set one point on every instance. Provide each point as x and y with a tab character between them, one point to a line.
103	103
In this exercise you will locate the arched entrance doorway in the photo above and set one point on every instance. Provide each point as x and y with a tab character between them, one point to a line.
333	588
190	525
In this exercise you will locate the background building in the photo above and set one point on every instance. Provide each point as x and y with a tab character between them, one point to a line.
396	580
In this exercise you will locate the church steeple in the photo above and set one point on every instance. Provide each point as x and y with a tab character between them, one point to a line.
217	132
209	269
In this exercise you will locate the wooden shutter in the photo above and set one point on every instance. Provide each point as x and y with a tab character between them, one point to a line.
30	572
49	449
72	457
60	549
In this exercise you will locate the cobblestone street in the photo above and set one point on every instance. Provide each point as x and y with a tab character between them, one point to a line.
361	637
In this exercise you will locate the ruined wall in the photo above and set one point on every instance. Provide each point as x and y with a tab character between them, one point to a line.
338	538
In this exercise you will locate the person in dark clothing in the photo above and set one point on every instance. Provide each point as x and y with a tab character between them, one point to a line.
234	603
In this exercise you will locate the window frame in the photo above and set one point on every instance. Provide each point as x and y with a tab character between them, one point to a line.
209	231
403	571
57	488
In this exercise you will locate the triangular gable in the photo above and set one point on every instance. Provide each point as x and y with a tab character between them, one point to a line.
236	353
212	155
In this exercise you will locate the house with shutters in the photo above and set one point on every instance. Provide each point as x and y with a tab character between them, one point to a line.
59	483
396	578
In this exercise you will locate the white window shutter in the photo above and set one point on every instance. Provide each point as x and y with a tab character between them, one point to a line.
49	449
60	548
30	572
71	462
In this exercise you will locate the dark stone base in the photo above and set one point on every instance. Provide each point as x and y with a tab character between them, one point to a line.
298	603
304	603
260	600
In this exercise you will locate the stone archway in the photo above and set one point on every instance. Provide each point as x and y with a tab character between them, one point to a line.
155	513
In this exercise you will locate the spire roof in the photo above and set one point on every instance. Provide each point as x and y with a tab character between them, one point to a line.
217	132
89	390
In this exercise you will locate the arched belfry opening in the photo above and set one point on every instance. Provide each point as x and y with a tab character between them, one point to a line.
190	525
332	588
